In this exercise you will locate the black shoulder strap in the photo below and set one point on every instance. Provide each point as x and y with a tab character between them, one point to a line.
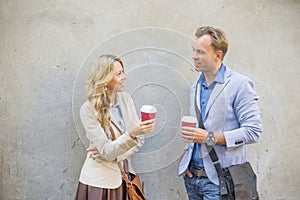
198	114
210	149
212	153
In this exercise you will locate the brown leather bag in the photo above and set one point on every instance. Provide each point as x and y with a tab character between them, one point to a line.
134	188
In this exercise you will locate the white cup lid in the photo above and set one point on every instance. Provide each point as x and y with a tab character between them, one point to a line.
148	109
189	119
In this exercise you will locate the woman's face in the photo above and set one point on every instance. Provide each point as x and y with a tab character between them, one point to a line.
117	83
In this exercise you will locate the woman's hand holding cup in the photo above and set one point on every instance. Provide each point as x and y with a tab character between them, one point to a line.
143	128
147	123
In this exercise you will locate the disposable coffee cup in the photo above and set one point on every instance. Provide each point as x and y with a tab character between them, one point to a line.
148	112
189	121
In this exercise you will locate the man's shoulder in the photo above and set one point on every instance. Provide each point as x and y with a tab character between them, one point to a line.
238	77
193	86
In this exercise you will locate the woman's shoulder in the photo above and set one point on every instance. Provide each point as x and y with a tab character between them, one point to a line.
86	106
124	95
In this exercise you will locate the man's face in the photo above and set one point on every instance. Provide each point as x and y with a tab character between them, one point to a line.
204	56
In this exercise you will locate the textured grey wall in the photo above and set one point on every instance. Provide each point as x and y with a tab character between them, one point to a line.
45	44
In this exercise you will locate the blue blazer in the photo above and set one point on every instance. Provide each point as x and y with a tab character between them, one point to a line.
233	110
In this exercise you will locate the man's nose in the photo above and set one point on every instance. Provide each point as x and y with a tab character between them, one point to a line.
195	56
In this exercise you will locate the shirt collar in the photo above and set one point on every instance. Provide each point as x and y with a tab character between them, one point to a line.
218	79
220	76
116	105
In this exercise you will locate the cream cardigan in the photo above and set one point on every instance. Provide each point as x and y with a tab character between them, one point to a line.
104	172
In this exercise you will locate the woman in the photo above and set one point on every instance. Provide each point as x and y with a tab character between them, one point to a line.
107	106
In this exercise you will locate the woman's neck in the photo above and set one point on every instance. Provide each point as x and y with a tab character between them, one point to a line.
113	97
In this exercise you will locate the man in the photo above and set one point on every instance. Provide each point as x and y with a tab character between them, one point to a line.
229	109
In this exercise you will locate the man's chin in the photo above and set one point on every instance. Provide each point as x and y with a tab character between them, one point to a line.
197	69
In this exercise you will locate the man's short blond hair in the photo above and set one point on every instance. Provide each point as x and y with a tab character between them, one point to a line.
219	40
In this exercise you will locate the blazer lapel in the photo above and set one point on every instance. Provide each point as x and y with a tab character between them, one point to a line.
197	95
217	91
113	122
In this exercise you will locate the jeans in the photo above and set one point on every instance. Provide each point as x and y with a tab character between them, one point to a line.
199	188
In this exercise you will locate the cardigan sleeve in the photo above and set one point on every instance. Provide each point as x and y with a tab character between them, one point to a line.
108	149
131	120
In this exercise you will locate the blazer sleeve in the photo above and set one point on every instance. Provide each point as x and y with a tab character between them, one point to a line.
140	142
109	150
131	120
245	106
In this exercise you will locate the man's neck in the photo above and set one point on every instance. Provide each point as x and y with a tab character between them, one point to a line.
211	75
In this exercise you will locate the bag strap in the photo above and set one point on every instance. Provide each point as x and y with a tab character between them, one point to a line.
124	175
212	153
198	114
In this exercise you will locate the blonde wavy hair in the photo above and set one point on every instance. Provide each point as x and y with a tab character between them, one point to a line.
100	73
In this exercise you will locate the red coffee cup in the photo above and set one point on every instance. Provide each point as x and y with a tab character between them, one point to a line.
189	121
148	112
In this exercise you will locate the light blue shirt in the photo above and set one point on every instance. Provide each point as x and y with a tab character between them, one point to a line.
117	115
205	93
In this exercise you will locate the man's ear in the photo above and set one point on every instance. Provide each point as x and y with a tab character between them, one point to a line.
219	56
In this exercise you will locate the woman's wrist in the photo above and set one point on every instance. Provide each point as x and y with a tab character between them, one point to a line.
132	136
135	131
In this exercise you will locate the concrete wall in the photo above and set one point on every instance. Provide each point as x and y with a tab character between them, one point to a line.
46	45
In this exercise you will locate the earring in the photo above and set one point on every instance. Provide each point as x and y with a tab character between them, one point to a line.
105	88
